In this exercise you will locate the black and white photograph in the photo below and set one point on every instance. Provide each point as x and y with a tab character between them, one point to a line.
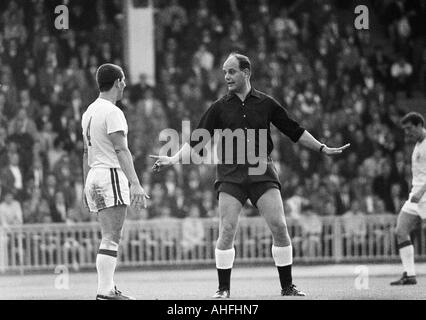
212	155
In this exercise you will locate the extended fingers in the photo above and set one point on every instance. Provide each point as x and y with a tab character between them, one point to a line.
135	200
345	146
145	197
156	166
338	150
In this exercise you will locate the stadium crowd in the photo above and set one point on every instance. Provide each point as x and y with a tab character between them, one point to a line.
328	75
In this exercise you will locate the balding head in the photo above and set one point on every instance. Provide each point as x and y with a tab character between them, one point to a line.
237	72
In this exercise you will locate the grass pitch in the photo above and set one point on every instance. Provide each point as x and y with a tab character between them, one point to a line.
326	282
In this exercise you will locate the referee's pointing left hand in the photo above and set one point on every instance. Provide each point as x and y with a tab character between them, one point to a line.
162	161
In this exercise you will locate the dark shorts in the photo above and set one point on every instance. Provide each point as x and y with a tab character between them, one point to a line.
244	191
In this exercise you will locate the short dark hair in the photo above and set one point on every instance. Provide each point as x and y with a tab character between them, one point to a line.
243	61
106	76
414	118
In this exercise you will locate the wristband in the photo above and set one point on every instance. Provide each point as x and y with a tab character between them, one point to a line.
322	147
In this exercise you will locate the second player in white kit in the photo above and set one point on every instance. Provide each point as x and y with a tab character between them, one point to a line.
418	169
414	209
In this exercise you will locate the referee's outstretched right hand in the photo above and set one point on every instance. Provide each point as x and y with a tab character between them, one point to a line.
162	162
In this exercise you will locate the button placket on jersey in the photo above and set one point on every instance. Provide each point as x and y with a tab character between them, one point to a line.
245	117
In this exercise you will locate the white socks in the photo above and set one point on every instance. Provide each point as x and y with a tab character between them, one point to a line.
283	256
106	261
224	258
407	258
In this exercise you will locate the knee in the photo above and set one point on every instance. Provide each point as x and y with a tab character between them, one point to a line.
401	233
279	229
226	234
280	233
113	236
228	228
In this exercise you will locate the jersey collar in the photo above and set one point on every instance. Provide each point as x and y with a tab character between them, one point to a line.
253	92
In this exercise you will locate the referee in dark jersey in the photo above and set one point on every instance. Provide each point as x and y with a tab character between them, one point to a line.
246	109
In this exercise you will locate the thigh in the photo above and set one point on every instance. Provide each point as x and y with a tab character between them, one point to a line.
235	190
229	209
106	188
407	222
422	210
258	189
112	220
271	207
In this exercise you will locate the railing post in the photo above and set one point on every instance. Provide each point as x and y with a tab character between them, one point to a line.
3	250
337	239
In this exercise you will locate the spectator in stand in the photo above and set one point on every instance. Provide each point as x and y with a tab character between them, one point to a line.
382	185
401	72
23	130
362	146
208	204
157	201
192	229
59	208
50	187
329	208
12	175
311	225
36	172
373	163
3	147
10	210
204	58
296	202
422	71
355	224
137	91
380	63
380	208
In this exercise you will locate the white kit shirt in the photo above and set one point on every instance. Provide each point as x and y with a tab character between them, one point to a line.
101	118
418	165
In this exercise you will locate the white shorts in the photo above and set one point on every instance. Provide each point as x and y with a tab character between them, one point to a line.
105	188
418	209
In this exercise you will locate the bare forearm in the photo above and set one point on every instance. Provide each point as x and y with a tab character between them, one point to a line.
183	153
85	167
307	140
126	163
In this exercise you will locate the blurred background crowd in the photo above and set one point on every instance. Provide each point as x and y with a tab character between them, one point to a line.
340	83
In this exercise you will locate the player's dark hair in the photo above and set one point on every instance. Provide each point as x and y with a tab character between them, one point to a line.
414	118
106	76
243	61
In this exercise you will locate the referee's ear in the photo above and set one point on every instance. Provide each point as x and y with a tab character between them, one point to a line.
247	72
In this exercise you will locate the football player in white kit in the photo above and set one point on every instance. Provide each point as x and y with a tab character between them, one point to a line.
414	210
108	171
